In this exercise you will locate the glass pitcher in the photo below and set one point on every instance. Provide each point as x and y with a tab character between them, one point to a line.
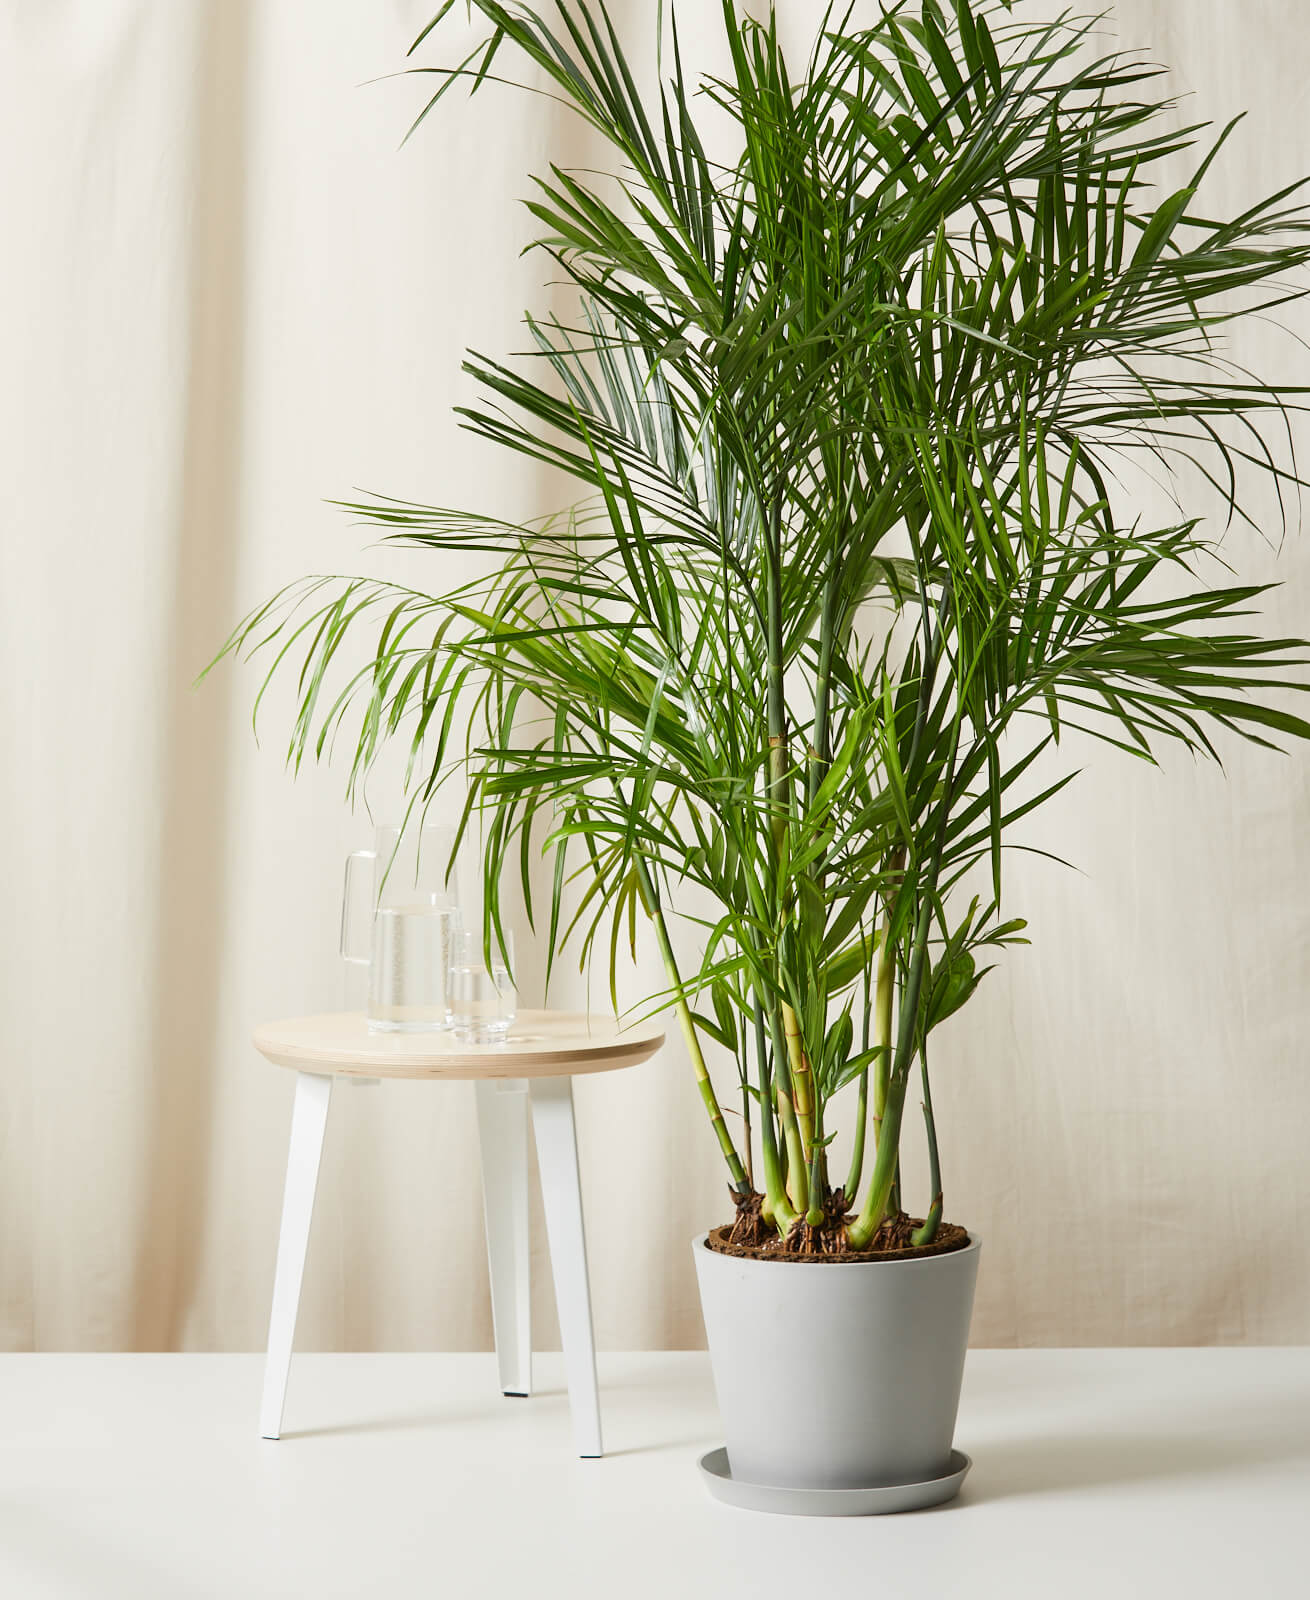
413	917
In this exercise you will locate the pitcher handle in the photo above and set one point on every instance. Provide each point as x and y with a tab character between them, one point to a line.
348	897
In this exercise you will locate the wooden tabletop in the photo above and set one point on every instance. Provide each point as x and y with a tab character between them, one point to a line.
541	1044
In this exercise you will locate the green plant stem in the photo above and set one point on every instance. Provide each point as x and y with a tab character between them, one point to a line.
802	1080
866	1225
887	1157
818	1180
776	1116
820	757
822	753
775	1207
776	705
748	1148
882	1007
748	1153
790	1067
740	1182
861	1131
809	1110
797	1175
884	995
814	1213
932	1221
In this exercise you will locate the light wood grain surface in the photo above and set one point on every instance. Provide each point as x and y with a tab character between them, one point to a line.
540	1044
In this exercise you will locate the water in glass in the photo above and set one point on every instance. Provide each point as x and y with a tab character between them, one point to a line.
408	973
411	916
483	1001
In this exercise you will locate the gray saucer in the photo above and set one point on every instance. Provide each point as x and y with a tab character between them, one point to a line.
830	1502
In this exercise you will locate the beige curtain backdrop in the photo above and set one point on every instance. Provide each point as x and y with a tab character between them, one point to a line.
225	295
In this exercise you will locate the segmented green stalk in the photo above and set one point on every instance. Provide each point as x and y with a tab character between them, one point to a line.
798	1187
802	1080
740	1182
874	1209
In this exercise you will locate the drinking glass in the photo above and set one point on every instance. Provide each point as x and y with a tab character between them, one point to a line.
483	1001
413	916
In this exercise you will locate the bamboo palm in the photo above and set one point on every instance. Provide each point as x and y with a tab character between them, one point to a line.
845	402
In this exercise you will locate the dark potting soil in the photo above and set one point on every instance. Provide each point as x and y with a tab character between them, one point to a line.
890	1243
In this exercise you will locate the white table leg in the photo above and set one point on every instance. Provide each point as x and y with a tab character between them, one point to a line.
308	1122
503	1131
557	1158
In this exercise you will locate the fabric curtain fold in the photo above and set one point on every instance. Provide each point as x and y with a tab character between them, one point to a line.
227	295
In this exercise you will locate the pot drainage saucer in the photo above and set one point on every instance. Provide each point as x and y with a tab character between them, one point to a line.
830	1502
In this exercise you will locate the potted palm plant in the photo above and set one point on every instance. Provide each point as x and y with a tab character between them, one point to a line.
862	340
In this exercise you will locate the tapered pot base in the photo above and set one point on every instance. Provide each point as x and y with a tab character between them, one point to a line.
717	1474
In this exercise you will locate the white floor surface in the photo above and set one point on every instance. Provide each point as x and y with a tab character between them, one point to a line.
1113	1474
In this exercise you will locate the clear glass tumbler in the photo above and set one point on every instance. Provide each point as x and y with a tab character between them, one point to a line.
483	1000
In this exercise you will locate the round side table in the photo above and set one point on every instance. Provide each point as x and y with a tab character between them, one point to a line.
532	1067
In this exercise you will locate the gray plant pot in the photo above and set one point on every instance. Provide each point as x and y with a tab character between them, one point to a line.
838	1375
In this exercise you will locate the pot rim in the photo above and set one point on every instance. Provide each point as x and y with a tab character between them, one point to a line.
700	1244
